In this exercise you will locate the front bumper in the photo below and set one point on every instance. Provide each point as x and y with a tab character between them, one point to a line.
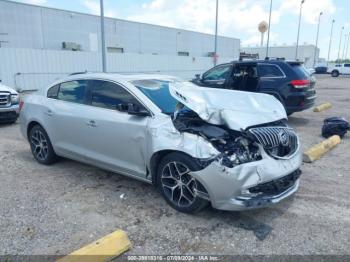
228	188
10	113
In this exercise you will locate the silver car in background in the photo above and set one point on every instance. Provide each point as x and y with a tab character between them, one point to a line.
197	145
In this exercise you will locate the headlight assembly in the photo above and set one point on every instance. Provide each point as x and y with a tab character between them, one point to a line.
14	99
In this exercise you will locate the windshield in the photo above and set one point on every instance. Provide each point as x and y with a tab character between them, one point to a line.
158	92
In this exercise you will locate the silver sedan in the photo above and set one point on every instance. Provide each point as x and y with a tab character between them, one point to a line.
197	145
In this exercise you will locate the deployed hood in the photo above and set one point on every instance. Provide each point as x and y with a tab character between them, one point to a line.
4	88
235	109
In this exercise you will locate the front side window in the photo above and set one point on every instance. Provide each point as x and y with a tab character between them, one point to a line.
346	65
270	71
109	95
217	73
73	91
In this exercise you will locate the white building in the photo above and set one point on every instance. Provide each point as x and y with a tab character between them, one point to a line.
38	41
305	53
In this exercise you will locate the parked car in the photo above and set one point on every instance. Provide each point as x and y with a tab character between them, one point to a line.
192	143
321	70
289	82
9	104
339	69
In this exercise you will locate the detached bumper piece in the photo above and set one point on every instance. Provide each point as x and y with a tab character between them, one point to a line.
273	189
335	126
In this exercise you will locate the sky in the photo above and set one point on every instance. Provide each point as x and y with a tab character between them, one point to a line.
237	18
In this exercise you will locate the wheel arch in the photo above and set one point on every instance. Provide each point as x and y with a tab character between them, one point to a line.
31	124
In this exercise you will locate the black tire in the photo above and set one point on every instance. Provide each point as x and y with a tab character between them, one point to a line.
289	114
335	73
181	197
41	146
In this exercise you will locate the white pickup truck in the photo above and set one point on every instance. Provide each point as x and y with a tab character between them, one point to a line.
339	69
9	104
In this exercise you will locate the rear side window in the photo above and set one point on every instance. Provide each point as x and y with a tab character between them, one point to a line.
73	91
270	71
300	71
53	91
108	95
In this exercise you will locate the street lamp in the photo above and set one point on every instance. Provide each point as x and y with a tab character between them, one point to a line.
103	44
330	42
347	47
318	30
296	49
268	34
216	33
345	42
341	35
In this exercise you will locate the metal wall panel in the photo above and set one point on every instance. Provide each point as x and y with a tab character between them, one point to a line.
29	26
33	69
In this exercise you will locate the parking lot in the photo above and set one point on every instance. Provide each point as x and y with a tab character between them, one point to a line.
57	209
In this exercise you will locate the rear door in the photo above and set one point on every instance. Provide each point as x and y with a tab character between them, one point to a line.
65	117
271	78
346	69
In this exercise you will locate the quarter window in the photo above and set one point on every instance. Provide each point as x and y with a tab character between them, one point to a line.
73	91
270	71
53	91
108	95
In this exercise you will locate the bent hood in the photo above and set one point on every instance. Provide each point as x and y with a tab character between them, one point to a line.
235	109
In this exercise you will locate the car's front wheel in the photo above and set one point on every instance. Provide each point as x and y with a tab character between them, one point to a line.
41	146
177	185
335	73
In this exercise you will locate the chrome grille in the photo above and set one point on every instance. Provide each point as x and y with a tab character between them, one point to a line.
279	142
5	99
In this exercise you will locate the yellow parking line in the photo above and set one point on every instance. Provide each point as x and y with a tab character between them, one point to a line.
104	249
317	151
322	107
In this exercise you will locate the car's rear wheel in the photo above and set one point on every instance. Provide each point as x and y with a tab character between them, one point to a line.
335	73
177	185
41	146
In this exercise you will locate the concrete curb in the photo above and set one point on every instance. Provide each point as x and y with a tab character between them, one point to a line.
322	107
317	151
104	249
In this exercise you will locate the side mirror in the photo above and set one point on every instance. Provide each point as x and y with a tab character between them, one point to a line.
133	109
198	77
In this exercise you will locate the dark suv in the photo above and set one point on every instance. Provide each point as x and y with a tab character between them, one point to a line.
288	81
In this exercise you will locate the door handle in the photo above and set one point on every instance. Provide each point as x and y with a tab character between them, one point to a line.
49	112
91	123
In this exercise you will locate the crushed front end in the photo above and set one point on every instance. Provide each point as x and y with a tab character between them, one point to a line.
255	168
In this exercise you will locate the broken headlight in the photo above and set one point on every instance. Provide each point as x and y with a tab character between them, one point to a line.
237	152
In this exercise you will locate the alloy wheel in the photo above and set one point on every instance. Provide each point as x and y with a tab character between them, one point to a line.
39	145
178	185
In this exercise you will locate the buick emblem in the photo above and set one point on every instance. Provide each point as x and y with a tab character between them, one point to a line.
284	138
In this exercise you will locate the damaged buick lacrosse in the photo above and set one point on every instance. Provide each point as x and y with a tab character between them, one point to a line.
197	145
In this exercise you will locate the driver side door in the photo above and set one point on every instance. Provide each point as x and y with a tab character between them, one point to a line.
116	139
216	76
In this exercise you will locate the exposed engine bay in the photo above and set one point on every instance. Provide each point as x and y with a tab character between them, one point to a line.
236	147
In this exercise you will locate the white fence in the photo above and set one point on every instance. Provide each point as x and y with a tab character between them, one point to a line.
34	68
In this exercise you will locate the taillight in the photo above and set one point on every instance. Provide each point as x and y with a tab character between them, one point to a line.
300	83
21	104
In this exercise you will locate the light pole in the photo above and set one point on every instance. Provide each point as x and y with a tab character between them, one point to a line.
296	49
345	42
347	47
216	33
330	42
103	44
341	35
318	30
268	34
